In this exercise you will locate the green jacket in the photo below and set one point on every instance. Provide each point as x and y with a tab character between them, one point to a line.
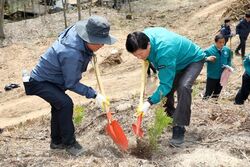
247	64
169	54
223	57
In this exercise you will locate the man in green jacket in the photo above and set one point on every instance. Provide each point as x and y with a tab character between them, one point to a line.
218	57
179	62
244	91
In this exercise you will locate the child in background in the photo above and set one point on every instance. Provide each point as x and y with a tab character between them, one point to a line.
244	91
226	30
218	57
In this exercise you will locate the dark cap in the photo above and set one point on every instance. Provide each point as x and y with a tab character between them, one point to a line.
95	30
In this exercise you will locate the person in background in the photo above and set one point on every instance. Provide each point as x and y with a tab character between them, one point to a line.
60	68
244	91
243	29
178	61
218	56
226	30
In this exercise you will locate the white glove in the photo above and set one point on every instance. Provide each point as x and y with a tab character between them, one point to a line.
233	34
211	59
143	109
228	67
101	100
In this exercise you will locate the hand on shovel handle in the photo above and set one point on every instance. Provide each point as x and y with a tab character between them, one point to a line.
113	128
140	110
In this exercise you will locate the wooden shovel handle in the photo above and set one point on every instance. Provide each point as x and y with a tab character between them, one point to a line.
99	82
145	65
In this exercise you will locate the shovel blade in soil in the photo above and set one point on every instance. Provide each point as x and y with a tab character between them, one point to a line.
115	131
137	127
137	130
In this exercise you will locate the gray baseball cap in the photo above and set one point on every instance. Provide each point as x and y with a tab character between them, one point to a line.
95	30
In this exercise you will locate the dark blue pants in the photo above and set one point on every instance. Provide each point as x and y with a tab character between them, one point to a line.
62	127
242	46
226	40
244	91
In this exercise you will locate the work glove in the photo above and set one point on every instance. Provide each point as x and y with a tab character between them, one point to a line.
102	100
211	59
143	109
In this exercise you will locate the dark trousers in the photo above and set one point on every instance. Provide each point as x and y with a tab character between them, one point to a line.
242	46
151	67
244	91
213	88
183	83
62	127
226	40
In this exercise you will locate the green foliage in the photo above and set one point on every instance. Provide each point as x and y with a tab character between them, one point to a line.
51	34
197	88
155	130
78	114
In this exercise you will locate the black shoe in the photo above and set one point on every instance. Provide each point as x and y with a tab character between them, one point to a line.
238	103
178	136
75	149
56	146
237	53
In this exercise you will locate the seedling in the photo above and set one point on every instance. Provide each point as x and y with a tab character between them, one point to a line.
146	146
155	130
78	114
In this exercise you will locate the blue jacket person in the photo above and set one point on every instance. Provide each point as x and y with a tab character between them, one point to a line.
60	68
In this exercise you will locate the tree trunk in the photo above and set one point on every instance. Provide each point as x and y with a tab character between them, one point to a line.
24	13
64	13
90	6
45	7
33	7
1	18
79	9
129	4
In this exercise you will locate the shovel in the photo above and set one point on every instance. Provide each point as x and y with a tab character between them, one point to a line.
137	126
113	128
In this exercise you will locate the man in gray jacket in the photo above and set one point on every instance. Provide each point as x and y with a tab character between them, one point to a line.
60	68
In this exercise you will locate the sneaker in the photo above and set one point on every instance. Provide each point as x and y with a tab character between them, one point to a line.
178	136
75	149
56	146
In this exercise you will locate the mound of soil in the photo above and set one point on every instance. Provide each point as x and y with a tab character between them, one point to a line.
143	150
113	59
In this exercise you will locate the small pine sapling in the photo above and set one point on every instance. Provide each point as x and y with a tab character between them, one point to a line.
155	130
78	114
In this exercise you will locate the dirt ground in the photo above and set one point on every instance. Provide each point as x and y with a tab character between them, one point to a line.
219	131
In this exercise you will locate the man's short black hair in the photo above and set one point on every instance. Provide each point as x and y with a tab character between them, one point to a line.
136	40
247	14
218	37
227	20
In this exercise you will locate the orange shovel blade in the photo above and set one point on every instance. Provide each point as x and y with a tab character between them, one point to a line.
115	131
137	127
